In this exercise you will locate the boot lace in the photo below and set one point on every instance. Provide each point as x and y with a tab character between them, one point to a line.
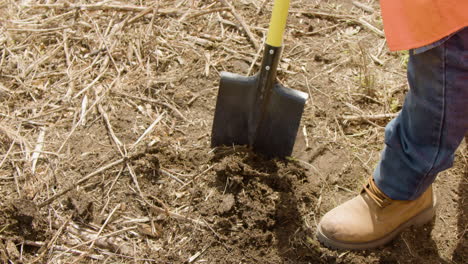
376	194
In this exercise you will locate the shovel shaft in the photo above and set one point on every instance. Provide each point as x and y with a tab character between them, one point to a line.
265	82
267	74
277	23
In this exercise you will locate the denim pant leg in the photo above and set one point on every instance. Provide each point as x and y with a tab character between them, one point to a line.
422	140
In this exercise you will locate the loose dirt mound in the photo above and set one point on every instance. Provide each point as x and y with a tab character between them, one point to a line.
105	120
253	206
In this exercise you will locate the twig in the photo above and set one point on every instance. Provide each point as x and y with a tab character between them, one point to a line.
104	225
242	22
196	176
196	96
321	30
59	248
39	62
198	254
171	107
306	137
104	7
79	121
50	244
215	233
14	135
364	7
214	10
84	105
344	189
96	238
339	126
359	21
37	149
135	179
380	49
106	47
8	152
15	177
159	210
368	117
409	249
372	28
109	128
3	57
172	176
148	10
376	60
110	189
149	129
227	22
92	83
321	13
82	180
108	241
41	30
254	61
207	63
134	258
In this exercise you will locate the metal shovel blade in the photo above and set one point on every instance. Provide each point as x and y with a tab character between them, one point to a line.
274	133
233	107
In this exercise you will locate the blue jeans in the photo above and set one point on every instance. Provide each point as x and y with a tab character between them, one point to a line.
422	140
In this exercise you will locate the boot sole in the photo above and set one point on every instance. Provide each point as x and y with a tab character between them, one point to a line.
422	218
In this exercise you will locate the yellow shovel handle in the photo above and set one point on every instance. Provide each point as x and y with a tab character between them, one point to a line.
277	23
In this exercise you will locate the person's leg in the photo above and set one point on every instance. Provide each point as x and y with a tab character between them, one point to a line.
422	140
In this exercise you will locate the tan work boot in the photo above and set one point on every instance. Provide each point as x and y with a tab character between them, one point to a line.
372	219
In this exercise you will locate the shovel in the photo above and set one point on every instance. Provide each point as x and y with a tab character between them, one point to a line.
257	110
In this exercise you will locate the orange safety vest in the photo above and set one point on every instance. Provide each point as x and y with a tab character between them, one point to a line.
415	23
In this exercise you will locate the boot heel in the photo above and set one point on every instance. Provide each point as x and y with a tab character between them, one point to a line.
424	217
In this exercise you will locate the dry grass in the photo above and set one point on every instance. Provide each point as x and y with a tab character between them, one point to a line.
89	88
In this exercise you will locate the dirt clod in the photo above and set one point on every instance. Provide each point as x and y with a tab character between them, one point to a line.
226	204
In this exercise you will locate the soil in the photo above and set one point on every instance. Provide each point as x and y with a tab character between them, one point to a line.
93	80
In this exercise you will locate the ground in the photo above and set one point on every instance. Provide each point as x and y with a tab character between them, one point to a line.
105	122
